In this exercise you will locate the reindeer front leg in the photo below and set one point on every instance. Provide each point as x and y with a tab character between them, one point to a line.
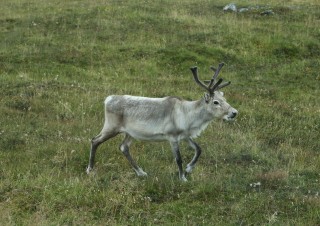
197	154
124	147
177	155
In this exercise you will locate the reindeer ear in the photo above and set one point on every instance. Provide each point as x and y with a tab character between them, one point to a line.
206	97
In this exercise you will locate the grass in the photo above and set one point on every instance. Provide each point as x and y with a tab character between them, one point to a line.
59	60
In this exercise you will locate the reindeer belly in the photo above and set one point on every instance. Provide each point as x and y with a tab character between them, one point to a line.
154	131
142	130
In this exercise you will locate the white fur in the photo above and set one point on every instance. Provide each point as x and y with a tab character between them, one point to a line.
159	119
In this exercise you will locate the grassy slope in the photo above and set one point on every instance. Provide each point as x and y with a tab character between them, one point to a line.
59	60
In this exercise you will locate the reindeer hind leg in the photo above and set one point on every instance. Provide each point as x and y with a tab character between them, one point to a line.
95	142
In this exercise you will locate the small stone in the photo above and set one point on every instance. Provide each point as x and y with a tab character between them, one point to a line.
230	7
243	10
267	12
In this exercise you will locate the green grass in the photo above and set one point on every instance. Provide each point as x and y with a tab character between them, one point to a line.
60	59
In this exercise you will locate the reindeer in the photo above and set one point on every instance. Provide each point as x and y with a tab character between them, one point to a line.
163	119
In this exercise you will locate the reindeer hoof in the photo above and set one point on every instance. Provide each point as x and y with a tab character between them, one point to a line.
141	173
89	169
183	178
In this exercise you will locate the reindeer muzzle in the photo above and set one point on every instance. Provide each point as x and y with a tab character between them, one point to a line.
232	114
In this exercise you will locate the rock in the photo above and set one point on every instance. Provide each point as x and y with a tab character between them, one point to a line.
267	12
230	7
233	8
241	10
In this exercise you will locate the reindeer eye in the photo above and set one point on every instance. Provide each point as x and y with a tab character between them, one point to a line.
216	102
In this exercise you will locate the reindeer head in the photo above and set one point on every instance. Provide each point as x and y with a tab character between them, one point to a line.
216	103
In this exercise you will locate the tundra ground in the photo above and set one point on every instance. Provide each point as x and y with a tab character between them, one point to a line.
60	59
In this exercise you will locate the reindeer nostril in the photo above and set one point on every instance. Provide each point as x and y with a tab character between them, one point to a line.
234	114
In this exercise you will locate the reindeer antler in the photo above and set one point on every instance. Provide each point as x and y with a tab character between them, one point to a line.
213	86
196	78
